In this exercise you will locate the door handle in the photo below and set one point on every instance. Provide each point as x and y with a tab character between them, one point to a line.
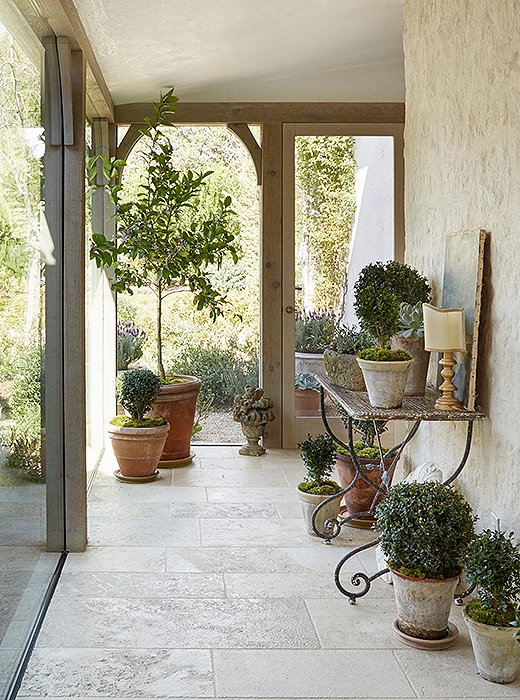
290	309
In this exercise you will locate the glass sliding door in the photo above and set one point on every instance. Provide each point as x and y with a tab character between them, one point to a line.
25	567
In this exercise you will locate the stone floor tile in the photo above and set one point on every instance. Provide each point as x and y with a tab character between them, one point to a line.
450	673
257	533
303	674
141	532
187	624
366	625
140	585
259	560
229	477
107	559
224	510
121	673
120	509
294	586
148	493
230	494
245	463
211	452
289	510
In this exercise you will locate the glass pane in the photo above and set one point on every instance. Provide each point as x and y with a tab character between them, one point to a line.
344	215
25	567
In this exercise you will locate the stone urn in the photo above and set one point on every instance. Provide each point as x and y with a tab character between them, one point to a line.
253	411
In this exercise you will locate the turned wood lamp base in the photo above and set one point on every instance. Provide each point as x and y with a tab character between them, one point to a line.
448	402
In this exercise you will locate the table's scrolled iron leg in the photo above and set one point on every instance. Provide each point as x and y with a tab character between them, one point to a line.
462	463
359	578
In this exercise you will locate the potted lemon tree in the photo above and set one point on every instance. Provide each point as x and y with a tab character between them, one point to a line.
165	245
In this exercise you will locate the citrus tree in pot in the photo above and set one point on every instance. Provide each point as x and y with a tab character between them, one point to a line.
164	244
137	441
493	565
318	456
379	291
425	531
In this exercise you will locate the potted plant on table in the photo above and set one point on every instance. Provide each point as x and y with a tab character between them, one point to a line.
425	531
165	245
363	497
379	291
318	456
339	357
314	331
306	395
410	338
137	441
493	565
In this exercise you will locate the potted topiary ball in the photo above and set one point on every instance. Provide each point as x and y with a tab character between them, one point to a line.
137	441
318	456
340	360
425	531
493	565
379	291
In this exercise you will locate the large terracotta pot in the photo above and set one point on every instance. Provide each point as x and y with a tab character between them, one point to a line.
306	402
137	450
385	381
177	403
423	605
416	382
360	497
497	653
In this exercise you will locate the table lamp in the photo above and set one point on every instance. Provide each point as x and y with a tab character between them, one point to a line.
445	332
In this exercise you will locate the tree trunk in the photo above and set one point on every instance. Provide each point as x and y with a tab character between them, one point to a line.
160	365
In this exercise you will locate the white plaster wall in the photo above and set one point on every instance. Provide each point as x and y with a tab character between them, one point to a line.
373	230
462	160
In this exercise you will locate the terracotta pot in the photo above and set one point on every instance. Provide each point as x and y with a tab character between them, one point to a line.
344	370
308	362
310	502
137	450
177	403
361	496
423	605
416	382
306	402
385	381
497	653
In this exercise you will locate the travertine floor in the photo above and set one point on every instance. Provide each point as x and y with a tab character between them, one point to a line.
206	584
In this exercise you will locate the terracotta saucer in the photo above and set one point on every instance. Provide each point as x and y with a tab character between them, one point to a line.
136	479
172	463
428	644
358	523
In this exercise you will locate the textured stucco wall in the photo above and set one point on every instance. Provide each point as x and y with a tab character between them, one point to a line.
462	154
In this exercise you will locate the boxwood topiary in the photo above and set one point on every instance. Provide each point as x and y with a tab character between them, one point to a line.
493	565
379	291
425	529
384	355
318	455
137	391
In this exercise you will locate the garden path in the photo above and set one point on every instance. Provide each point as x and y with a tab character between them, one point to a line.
205	584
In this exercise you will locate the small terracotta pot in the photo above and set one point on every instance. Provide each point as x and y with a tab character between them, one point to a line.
360	497
306	402
385	381
137	450
416	382
177	403
497	653
310	502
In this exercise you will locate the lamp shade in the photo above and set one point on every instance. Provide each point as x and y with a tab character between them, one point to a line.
444	329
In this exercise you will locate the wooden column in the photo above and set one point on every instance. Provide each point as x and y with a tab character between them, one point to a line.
65	298
271	277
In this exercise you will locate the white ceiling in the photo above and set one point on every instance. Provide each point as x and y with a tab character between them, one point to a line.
249	50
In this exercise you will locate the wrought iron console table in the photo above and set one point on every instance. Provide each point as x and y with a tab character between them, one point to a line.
356	406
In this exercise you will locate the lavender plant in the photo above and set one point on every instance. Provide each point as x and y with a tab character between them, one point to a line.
130	342
314	330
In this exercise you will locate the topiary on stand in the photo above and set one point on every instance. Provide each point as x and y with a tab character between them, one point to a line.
493	565
318	455
137	441
425	531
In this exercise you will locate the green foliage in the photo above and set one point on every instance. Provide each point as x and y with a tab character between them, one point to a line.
304	381
319	488
318	455
137	390
411	321
314	331
362	450
223	371
130	341
325	170
383	355
489	616
493	565
127	422
425	529
348	341
165	242
379	291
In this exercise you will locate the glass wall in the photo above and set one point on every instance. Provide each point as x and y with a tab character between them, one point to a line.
25	567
